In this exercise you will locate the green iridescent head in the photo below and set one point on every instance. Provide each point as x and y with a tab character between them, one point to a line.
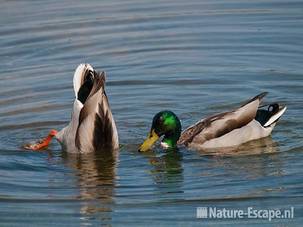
166	124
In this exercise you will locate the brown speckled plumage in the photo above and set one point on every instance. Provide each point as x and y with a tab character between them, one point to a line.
220	124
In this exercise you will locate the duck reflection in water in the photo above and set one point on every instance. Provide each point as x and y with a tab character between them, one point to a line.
167	171
254	160
96	174
261	146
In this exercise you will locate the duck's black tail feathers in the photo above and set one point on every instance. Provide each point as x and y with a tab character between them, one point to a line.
270	116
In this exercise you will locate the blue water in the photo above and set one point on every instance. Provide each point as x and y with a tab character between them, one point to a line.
193	57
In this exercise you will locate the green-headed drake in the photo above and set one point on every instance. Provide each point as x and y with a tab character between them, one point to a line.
229	129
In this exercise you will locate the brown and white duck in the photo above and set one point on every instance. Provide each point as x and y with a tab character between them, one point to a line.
92	126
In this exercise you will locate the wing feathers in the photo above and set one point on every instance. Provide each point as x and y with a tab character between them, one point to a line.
259	97
103	132
85	128
221	124
96	128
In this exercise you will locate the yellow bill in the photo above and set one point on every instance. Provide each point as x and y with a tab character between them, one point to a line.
150	140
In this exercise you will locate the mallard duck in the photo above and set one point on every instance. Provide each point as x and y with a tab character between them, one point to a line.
249	122
92	126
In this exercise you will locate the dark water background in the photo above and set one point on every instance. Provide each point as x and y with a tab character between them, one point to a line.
193	57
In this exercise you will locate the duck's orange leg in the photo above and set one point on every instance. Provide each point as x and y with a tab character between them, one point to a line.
42	143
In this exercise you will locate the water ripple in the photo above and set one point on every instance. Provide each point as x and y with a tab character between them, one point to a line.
195	58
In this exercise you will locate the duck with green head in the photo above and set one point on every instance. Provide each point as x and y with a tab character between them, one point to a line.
248	122
167	124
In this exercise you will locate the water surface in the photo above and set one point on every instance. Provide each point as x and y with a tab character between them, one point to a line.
193	57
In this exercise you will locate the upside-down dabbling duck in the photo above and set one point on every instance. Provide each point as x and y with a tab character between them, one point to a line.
249	122
92	126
